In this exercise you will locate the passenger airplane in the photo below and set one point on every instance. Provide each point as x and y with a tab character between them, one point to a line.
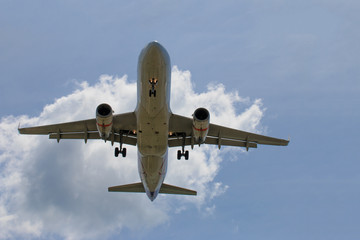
153	127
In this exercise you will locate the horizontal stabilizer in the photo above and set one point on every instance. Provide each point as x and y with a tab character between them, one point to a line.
139	187
170	189
134	187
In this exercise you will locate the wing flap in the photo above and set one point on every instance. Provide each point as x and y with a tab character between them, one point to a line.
130	140
229	142
177	142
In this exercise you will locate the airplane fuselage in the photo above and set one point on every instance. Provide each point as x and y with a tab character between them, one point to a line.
153	114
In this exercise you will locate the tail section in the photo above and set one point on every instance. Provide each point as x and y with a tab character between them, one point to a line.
139	187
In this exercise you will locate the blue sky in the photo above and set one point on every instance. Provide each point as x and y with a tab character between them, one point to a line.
300	58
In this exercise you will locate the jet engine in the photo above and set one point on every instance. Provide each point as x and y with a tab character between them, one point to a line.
201	121
104	120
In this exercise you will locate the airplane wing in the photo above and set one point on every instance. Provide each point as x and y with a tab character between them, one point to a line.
86	129
181	132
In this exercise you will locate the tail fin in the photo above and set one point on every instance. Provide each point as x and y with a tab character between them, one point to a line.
139	187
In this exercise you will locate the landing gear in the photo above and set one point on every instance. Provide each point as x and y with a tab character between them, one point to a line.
185	154
152	92
153	82
121	149
182	152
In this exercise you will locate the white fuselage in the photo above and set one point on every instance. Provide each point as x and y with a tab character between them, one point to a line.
153	113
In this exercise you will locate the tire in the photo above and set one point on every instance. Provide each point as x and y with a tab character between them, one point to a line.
179	155
187	155
117	152
124	152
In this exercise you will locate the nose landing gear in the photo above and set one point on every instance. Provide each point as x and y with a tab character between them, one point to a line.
153	82
152	91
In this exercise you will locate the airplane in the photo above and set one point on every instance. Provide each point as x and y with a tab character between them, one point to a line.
152	127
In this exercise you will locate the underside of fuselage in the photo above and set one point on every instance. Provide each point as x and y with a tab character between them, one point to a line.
153	113
152	171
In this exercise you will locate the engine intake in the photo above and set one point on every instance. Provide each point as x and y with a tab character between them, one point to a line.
201	121
104	120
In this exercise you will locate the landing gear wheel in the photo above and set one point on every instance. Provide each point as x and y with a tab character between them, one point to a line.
152	92
186	155
117	151
180	154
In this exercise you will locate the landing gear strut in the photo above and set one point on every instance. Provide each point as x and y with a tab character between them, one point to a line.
121	149
182	152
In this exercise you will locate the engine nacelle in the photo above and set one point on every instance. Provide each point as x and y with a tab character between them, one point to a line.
201	121
104	120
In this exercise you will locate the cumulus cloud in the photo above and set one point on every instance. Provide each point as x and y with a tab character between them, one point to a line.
49	189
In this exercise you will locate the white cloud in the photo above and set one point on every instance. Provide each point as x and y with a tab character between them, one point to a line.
49	188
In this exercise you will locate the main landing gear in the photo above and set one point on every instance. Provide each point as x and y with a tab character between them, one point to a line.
182	152
121	149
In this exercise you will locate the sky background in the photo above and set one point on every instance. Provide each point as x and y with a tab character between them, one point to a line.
282	68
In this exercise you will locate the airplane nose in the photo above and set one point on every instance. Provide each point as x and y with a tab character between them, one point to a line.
154	49
154	44
154	53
